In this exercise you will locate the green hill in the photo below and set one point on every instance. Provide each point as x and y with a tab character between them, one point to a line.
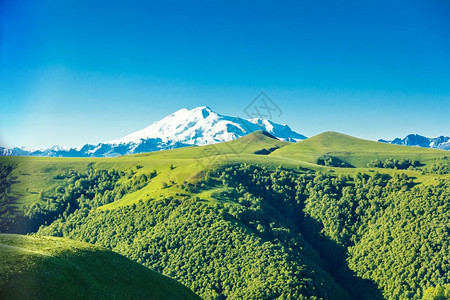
56	268
34	175
248	144
355	151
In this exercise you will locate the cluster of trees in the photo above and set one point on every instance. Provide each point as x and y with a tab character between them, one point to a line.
288	234
437	293
437	168
332	161
7	212
393	163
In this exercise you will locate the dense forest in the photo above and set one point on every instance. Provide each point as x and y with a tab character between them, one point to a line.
287	234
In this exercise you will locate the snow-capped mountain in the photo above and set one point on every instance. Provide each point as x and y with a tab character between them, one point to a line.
441	142
26	151
195	127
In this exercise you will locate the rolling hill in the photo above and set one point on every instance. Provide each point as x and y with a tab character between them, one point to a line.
34	174
55	268
355	151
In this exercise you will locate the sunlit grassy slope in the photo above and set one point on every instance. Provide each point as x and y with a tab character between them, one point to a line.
35	174
56	268
355	151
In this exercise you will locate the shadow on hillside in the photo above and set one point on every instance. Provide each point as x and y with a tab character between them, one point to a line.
14	180
334	256
265	151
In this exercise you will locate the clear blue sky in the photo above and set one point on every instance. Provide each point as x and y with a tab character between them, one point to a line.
85	71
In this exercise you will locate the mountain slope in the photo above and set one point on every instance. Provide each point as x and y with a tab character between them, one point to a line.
440	142
56	268
202	126
354	151
195	127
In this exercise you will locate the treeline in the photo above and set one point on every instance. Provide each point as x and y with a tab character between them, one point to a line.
437	293
437	168
7	212
393	163
332	161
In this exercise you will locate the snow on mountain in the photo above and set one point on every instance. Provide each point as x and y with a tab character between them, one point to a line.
195	127
202	126
440	142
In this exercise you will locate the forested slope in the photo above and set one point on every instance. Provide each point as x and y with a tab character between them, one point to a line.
285	233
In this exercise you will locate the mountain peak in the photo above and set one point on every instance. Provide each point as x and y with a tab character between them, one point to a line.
185	127
202	126
203	110
260	134
440	142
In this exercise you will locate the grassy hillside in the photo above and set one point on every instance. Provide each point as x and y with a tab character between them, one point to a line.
56	268
35	174
357	152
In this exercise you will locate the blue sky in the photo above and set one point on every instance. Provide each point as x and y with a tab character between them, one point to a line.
75	72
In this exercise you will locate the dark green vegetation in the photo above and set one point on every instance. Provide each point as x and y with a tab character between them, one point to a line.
437	293
438	168
8	216
255	218
331	161
392	163
55	268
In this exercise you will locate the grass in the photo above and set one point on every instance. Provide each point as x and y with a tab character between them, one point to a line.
355	151
55	268
34	174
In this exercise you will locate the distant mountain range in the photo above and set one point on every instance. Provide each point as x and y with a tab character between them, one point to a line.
195	127
441	142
